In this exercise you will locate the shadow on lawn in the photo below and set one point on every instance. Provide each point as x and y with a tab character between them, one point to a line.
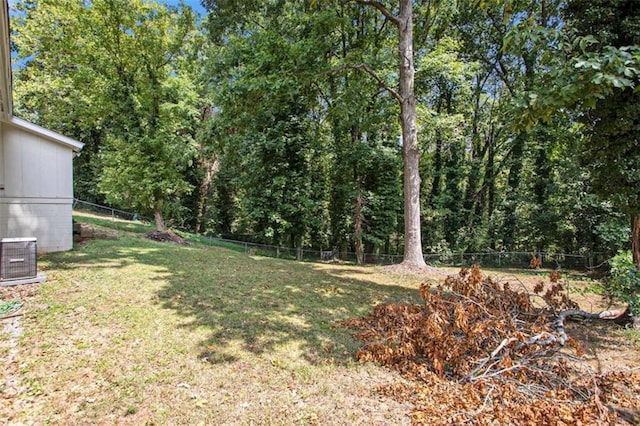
262	304
247	304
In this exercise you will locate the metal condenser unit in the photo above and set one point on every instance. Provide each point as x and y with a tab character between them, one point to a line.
18	258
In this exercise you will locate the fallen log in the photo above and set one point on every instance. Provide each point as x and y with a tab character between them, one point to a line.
543	339
621	317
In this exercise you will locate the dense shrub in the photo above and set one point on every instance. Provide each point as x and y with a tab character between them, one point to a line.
624	280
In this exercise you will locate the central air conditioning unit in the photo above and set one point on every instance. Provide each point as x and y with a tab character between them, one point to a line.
18	259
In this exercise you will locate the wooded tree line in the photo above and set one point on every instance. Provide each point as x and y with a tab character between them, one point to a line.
278	121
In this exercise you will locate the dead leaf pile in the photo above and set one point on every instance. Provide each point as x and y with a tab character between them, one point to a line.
481	352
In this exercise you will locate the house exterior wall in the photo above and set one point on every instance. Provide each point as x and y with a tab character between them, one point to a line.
36	189
1	162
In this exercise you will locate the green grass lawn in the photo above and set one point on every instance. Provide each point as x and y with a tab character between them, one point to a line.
112	223
132	331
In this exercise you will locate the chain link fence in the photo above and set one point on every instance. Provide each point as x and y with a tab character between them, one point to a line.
107	211
521	260
304	254
493	259
516	260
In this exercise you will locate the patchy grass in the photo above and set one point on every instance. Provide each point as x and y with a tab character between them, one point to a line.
113	223
126	227
633	335
133	332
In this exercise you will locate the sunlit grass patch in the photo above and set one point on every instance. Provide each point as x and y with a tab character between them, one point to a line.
131	331
113	223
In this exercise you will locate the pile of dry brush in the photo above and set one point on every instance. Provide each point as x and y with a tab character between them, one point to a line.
478	351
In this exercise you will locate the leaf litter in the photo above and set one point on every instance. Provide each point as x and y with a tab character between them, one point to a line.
479	351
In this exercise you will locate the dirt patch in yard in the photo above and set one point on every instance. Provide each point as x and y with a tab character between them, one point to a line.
167	237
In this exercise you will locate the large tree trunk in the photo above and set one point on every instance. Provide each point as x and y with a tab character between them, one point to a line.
411	157
160	226
358	219
358	215
412	233
635	239
210	168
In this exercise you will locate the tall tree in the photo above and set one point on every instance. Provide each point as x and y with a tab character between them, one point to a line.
613	123
47	67
600	76
121	59
403	21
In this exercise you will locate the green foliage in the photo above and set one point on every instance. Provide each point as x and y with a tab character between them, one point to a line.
268	144
122	74
624	281
296	147
142	178
10	307
611	149
256	125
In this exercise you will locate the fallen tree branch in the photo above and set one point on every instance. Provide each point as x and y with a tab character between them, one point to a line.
498	349
504	343
620	316
15	314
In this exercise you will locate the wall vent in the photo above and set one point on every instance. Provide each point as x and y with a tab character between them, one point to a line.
18	258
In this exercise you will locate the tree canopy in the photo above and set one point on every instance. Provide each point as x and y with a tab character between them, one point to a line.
375	127
121	67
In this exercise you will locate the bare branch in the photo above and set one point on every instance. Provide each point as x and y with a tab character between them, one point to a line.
472	375
379	6
366	68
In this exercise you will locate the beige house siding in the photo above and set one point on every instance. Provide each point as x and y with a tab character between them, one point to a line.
2	125
36	181
37	195
50	223
35	167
